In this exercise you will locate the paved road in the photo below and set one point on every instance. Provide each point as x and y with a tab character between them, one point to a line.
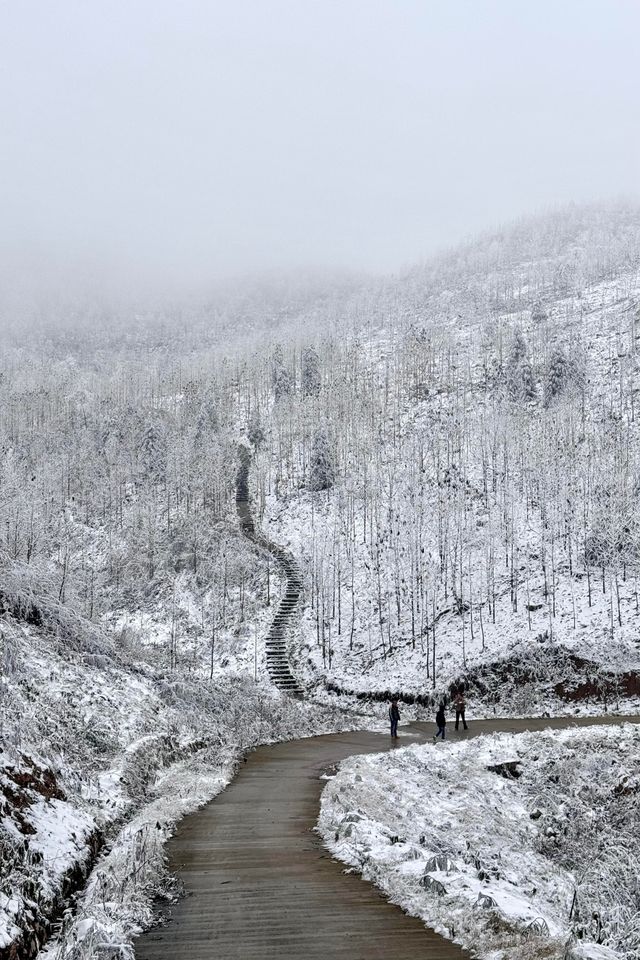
259	884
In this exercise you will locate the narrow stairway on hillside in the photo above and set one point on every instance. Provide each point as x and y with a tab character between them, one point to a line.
286	615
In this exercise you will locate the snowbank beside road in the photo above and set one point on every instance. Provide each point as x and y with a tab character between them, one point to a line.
105	753
516	845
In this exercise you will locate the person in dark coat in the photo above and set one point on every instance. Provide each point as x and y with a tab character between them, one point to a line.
460	705
394	716
441	721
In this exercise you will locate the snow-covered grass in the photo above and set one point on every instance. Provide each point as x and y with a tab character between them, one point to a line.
205	649
518	846
83	734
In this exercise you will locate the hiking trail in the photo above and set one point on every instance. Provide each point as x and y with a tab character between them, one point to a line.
278	665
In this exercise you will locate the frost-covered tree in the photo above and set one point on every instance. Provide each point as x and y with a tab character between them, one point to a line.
280	375
153	451
557	374
615	533
527	386
521	379
518	350
538	313
311	376
207	419
635	320
322	469
255	432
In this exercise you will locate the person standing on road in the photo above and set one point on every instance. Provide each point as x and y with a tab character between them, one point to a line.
394	716
441	721
460	705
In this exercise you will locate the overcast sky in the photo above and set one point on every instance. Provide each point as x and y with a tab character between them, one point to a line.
193	139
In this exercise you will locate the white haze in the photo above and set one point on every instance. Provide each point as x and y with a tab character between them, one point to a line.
161	144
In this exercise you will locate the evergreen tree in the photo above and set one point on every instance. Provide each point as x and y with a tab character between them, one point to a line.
557	375
519	372
527	382
255	432
322	473
518	349
311	376
280	375
207	419
538	313
152	451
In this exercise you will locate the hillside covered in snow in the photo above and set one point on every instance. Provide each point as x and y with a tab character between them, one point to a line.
451	455
461	472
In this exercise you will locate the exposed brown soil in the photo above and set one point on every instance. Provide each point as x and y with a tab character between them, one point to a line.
41	917
20	787
606	687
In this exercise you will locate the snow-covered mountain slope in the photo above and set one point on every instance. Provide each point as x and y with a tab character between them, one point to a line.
482	468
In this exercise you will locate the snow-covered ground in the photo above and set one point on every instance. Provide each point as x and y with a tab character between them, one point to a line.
356	661
518	846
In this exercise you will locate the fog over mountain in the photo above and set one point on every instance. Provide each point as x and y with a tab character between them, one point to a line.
319	479
163	146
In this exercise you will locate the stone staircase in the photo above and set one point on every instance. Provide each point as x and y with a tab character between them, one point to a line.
276	641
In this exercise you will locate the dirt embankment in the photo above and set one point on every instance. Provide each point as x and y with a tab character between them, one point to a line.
23	874
536	677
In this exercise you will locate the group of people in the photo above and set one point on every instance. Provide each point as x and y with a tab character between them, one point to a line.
459	704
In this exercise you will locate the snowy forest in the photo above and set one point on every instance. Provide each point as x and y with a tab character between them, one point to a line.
451	458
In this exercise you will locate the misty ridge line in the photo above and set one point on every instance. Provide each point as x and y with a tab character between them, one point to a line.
269	302
151	152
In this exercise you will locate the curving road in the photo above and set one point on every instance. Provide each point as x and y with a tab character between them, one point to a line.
260	886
